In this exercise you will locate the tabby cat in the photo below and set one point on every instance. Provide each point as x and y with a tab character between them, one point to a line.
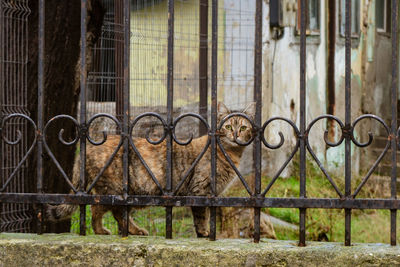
110	183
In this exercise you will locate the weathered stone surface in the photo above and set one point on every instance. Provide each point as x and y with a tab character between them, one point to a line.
72	250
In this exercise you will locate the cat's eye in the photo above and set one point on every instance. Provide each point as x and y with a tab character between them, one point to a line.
243	128
228	127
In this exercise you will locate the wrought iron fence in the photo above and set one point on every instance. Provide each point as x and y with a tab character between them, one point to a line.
13	69
257	198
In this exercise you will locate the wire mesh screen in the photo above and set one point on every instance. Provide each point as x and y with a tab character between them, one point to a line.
236	52
103	78
13	99
148	61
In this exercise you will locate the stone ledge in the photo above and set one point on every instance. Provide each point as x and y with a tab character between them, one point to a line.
73	250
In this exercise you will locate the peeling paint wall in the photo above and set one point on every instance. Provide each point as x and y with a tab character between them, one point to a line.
370	81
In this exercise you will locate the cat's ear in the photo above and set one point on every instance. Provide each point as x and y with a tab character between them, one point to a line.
250	110
222	110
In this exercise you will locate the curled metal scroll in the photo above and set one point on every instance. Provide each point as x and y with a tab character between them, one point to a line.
281	142
331	144
178	119
101	115
17	141
198	158
156	142
282	139
62	140
370	135
327	116
155	115
111	158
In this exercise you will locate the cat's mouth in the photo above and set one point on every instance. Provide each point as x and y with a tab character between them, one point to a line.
233	141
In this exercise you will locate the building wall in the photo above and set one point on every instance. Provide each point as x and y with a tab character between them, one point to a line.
370	80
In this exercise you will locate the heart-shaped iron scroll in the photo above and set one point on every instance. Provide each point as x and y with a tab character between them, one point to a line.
154	142
184	143
370	138
16	142
277	146
62	140
327	116
102	141
237	142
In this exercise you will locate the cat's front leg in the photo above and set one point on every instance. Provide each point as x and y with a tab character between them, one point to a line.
201	217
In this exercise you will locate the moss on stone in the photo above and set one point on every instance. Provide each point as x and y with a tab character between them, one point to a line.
74	250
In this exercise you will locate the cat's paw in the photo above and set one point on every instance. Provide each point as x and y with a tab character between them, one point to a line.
102	231
143	231
203	234
138	231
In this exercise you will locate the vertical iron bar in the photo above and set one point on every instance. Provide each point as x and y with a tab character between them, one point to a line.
303	13
2	84
2	88
257	99
214	70
39	185
118	59
126	96
331	65
82	116
170	99
393	213
348	121
203	64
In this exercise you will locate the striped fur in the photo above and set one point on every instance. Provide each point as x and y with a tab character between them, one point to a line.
110	183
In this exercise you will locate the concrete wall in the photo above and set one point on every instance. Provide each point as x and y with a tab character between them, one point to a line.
72	250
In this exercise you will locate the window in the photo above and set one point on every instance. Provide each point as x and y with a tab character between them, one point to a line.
355	17
383	16
312	18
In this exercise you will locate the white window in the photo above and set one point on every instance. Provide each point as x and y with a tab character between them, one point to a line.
355	17
383	15
312	18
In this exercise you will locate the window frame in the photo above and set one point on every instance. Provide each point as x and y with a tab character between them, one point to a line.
309	32
356	33
387	16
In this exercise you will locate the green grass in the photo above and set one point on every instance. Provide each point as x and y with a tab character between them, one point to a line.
152	219
367	225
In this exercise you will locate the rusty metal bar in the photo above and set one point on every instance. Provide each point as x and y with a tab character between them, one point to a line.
214	81
39	184
303	13
347	126
257	119
170	100
202	201
393	139
203	64
82	116
126	112
119	58
2	80
331	98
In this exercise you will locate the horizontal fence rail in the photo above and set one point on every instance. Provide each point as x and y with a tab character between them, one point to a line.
169	196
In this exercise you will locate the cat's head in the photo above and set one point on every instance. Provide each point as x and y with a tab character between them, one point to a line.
236	126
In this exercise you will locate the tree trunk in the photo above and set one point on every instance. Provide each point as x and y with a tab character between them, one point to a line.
61	84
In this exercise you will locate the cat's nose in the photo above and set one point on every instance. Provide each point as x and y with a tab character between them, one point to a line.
235	135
